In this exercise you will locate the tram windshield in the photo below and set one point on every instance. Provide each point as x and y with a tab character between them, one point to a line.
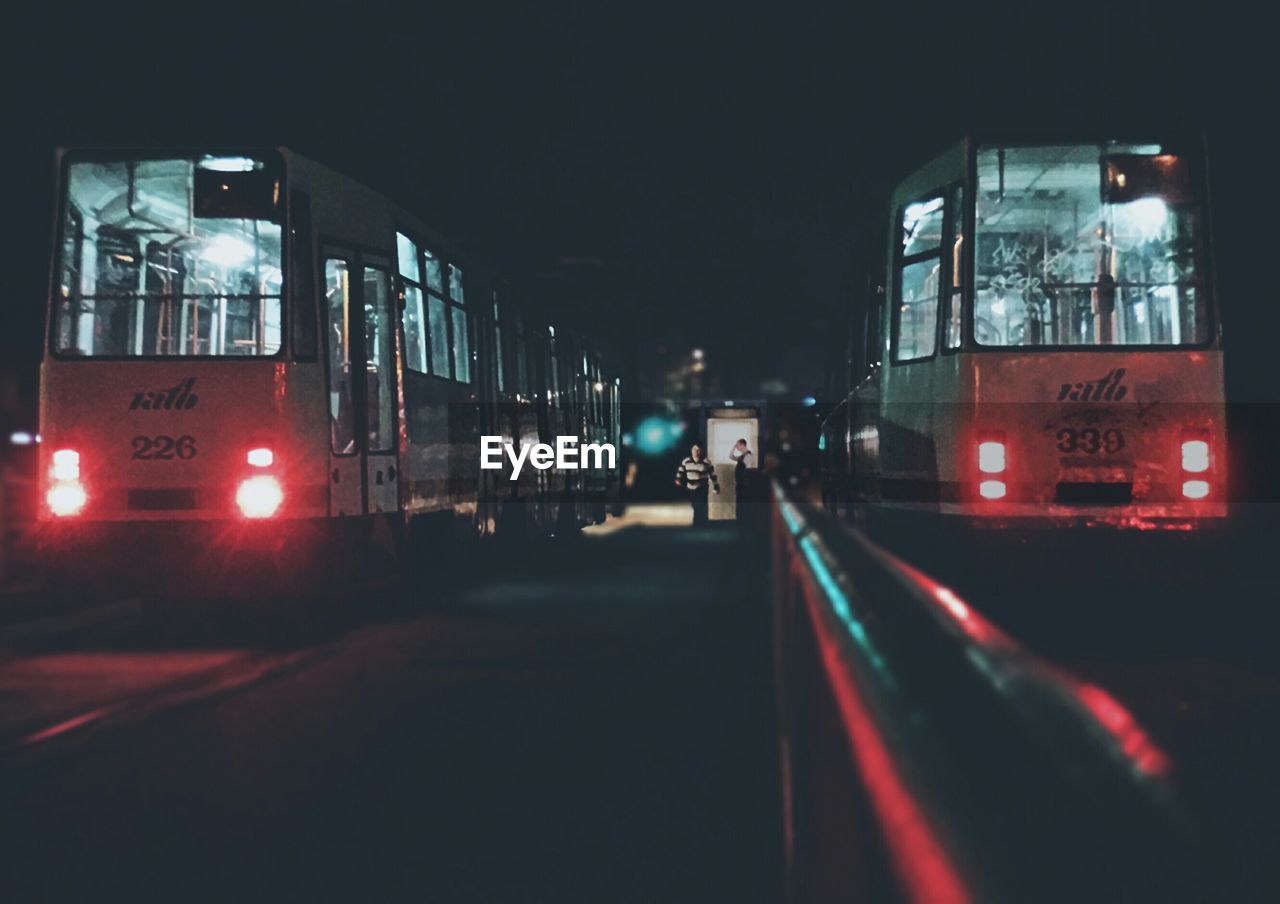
173	257
1088	245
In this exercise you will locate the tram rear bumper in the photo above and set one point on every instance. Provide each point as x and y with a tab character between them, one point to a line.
190	558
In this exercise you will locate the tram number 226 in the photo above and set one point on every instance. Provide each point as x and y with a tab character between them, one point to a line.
1090	440
164	448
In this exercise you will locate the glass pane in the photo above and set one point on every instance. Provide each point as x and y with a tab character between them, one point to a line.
461	346
337	279
439	330
379	358
557	388
302	269
145	272
1055	264
407	256
922	226
71	312
435	279
952	319
455	284
415	330
916	323
498	358
522	366
952	315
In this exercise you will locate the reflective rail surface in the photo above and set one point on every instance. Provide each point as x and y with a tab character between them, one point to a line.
928	757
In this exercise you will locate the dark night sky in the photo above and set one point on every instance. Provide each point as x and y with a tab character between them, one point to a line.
724	158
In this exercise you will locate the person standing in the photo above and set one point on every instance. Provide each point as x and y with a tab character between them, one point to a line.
743	460
698	476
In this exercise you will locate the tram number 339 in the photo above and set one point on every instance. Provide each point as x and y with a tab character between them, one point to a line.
164	448
1090	440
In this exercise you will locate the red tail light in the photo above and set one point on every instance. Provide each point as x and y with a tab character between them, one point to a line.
261	457
991	457
259	497
1197	458
1195	489
65	496
66	465
992	489
992	460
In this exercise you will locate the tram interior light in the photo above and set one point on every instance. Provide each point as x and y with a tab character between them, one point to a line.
1145	216
227	251
259	497
229	164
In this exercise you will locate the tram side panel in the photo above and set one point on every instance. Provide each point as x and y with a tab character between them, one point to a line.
162	448
1130	439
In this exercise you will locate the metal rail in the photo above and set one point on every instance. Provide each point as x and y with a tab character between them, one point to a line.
927	757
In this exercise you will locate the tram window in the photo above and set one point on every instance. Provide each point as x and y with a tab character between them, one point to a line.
915	322
435	279
498	357
379	357
922	226
1062	260
415	330
461	346
438	327
522	366
455	284
337	280
557	388
538	367
72	242
303	312
951	317
407	257
209	285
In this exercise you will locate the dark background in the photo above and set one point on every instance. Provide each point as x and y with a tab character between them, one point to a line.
709	173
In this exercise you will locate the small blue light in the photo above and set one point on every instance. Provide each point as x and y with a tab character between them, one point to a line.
656	434
808	401
21	438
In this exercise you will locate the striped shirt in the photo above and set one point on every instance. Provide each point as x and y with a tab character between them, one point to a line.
695	475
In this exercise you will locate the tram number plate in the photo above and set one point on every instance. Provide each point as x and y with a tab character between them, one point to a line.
1090	440
164	447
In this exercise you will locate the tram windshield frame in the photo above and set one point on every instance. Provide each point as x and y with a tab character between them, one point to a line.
170	255
1145	257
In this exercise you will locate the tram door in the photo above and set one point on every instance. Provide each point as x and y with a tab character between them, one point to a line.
360	342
